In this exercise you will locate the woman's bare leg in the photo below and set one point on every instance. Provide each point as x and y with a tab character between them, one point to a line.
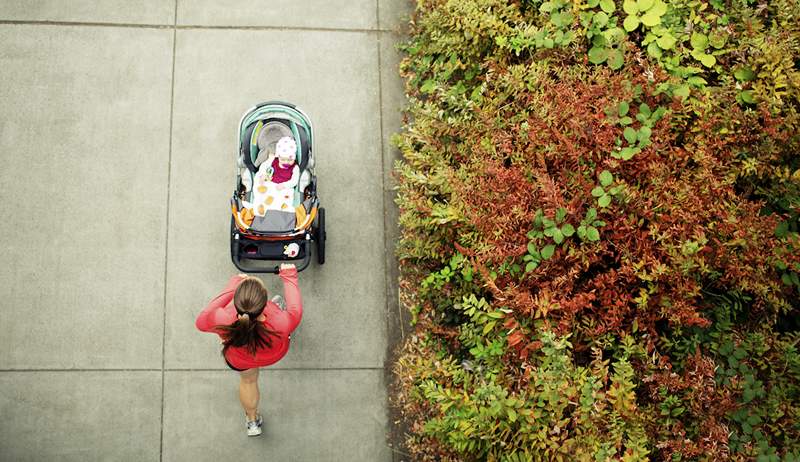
248	392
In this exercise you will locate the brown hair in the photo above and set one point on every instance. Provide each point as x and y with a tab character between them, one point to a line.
249	299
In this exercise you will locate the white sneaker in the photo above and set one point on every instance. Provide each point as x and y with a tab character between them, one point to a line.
254	426
278	300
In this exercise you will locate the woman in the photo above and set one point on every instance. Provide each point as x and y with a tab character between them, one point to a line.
254	331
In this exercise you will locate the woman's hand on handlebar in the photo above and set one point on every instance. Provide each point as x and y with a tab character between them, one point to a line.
287	266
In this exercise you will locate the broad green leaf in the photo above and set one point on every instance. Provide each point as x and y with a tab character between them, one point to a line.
546	7
717	40
606	178
597	55
531	266
681	91
512	415
598	191
708	60
549	232
644	5
795	279
547	251
561	213
615	34
630	135
659	8
568	230
489	326
581	232
627	153
607	6
630	7
592	233
666	41
532	248
745	74
644	133
558	236
591	214
654	50
428	86
600	19
624	107
747	96
625	121
696	81
782	229
615	59
786	279
631	23
651	19
699	41
645	109
593	3
604	200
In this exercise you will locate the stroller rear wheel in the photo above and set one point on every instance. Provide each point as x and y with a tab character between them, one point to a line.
320	236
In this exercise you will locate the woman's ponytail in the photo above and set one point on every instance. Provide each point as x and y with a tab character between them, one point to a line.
249	299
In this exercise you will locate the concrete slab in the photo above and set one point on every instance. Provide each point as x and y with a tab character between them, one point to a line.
334	77
393	15
326	14
329	415
106	11
84	143
80	416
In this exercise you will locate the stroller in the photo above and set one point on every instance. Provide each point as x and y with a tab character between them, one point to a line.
275	222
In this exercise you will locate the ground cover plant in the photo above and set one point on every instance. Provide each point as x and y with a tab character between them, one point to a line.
599	210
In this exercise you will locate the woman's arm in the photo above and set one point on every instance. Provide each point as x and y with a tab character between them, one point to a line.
213	314
291	293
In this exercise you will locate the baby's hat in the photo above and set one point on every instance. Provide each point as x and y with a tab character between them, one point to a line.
286	147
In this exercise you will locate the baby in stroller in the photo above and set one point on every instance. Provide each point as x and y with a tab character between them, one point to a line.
275	180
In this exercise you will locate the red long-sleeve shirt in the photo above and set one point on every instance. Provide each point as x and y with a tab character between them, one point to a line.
222	312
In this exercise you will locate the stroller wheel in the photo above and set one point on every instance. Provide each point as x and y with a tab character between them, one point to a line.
320	236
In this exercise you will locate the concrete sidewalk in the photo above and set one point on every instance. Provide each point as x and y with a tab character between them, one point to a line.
118	129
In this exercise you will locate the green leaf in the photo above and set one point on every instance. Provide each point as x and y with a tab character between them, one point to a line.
616	59
786	279
593	3
681	91
600	19
623	108
747	96
568	230
598	55
631	23
489	326
645	109
592	233
696	81
717	40
699	41
606	178
547	251
630	7
744	74
782	229
512	415
659	8
644	5
666	41
558	236
607	6
581	232
629	134
598	191
644	133
628	152
654	50
604	200
561	213
428	86
708	60
625	121
531	266
532	248
795	279
651	19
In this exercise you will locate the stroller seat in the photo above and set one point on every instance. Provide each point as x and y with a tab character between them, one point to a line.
283	211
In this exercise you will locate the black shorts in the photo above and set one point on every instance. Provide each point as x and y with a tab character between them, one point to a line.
234	368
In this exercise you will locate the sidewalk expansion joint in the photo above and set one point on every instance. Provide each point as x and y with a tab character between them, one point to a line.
191	26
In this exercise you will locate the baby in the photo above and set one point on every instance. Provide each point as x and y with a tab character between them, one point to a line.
276	178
